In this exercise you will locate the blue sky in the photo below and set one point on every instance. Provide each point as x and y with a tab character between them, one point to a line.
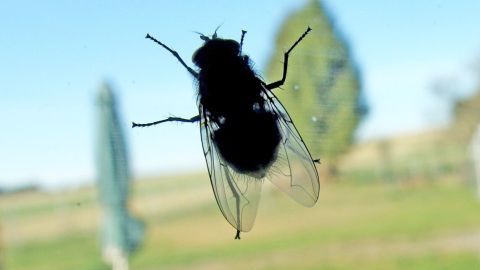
55	54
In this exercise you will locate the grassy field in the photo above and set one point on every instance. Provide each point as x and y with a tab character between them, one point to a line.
354	226
405	203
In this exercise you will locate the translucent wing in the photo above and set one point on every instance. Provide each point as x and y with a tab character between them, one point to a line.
237	194
294	171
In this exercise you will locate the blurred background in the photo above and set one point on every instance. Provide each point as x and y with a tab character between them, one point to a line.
386	93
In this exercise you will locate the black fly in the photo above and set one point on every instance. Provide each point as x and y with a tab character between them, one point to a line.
247	135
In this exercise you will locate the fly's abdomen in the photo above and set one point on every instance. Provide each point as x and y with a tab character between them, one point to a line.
249	142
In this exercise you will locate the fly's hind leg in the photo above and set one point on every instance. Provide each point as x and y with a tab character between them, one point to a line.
169	119
193	72
285	63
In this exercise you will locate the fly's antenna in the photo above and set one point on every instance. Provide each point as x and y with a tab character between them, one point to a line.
241	40
214	36
202	36
205	38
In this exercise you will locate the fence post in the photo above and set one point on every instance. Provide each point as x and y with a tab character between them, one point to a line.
121	233
475	152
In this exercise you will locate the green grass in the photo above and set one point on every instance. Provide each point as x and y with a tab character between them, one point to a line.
369	226
75	251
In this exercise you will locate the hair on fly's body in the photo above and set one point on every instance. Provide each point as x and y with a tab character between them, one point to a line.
247	135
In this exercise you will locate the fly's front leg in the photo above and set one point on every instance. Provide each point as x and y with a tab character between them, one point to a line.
285	63
241	40
169	119
193	72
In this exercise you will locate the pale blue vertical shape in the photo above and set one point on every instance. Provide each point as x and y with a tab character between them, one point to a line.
120	231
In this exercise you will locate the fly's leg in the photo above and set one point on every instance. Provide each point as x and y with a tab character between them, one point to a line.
193	72
237	236
241	40
169	119
285	63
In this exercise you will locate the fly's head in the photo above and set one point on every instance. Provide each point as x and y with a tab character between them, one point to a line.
215	50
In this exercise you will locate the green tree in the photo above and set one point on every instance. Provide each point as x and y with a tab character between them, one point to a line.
323	90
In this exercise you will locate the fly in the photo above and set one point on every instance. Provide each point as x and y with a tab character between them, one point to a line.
247	135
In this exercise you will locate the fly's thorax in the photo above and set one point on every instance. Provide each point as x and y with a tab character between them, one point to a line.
229	87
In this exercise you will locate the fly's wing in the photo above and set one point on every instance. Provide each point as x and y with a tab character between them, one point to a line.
294	171
237	194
